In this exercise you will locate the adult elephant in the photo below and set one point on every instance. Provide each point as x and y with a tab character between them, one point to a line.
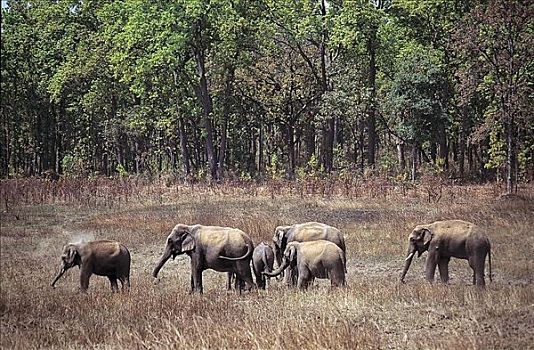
306	232
449	239
102	258
222	249
314	259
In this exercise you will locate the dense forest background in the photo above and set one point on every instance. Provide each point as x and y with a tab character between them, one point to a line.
261	89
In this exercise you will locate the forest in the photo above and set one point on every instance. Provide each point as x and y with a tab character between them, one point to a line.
263	89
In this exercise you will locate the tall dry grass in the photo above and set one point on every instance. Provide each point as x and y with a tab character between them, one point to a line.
373	311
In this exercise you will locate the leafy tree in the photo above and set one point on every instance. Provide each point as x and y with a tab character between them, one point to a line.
497	45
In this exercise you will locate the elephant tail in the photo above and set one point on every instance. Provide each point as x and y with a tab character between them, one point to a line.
250	248
266	266
489	261
344	261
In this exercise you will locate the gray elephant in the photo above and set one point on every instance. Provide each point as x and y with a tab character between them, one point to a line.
102	258
222	249
262	261
305	232
314	259
449	239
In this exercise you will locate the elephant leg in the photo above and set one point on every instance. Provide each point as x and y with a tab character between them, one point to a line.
443	265
260	278
244	273
294	276
337	278
196	275
230	276
114	285
197	281
85	275
303	280
302	283
477	264
125	284
289	276
430	269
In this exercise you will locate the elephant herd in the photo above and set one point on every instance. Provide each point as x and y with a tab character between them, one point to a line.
302	252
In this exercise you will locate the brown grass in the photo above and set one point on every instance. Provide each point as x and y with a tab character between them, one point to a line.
374	311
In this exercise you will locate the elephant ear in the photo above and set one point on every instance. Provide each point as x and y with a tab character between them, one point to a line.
278	236
188	243
292	254
71	255
427	236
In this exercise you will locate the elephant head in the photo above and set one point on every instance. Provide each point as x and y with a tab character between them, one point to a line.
181	240
280	242
69	258
418	242
289	258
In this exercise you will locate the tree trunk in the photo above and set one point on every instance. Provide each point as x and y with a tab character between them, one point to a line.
222	148
186	167
261	165
510	155
290	141
462	148
400	155
309	140
207	110
414	162
228	93
443	147
329	128
203	94
328	145
371	116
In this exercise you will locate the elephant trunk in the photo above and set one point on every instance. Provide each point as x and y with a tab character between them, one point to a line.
60	273
408	262
166	255
278	258
278	271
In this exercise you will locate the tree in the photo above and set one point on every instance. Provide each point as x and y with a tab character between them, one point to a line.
416	100
497	43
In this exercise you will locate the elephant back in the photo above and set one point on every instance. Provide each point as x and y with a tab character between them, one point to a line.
106	248
313	231
228	241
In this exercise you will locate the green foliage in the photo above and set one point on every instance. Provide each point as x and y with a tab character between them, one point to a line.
121	171
497	149
261	88
416	100
72	165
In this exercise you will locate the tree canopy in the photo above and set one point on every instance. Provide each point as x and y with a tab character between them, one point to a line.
257	89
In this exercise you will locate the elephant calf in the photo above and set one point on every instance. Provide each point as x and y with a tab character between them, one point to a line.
314	259
102	258
449	239
262	261
305	232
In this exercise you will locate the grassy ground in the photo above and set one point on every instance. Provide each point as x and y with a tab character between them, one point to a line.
373	312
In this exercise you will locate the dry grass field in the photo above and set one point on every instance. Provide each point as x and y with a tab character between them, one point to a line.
374	311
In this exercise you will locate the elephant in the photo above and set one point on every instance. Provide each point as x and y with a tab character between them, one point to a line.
262	261
308	231
223	249
449	239
313	259
102	258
